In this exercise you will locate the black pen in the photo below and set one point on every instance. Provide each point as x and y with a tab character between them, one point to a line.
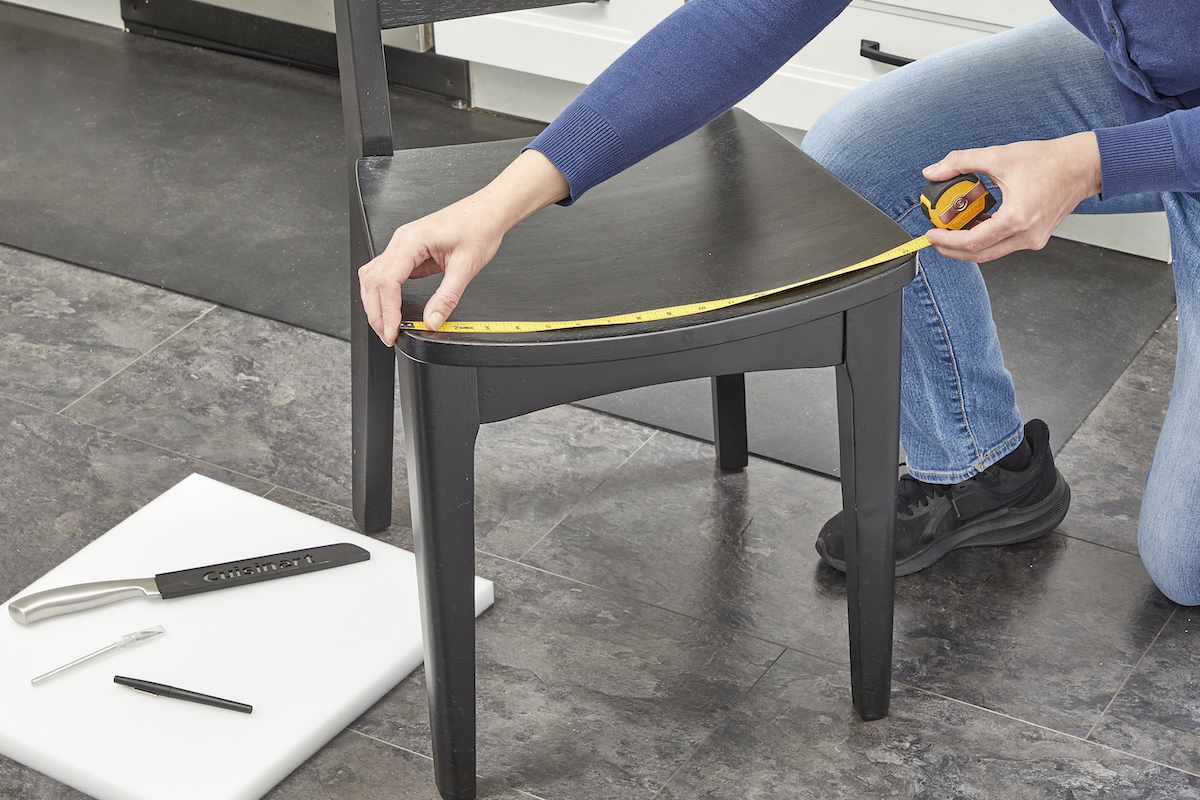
162	690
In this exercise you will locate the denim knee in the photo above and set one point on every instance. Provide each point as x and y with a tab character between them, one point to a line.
1169	555
1169	524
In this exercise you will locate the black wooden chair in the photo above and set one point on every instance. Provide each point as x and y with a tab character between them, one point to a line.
731	209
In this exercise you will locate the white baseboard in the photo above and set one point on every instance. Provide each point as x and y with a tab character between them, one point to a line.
1138	234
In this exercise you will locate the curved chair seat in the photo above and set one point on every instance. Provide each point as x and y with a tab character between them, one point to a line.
733	209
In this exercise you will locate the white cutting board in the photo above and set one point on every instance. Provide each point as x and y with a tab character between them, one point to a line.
309	652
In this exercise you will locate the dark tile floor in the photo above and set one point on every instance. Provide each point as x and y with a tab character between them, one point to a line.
661	629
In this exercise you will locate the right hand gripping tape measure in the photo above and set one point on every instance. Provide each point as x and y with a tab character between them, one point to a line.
952	204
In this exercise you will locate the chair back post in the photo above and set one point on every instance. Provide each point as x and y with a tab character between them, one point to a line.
365	106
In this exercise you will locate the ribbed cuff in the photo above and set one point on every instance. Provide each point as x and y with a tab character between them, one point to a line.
1137	158
583	147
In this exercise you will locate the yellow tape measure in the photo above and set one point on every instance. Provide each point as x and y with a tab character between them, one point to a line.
655	314
965	183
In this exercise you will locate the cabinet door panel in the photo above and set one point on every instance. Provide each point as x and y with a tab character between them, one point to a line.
1008	14
831	65
573	43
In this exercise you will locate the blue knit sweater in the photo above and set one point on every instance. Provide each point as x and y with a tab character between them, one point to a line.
710	54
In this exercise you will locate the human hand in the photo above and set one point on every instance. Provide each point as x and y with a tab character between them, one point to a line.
458	241
1041	182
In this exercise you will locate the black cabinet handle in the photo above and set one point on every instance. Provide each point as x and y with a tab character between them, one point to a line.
869	49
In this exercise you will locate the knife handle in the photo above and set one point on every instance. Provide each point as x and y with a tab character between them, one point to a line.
82	596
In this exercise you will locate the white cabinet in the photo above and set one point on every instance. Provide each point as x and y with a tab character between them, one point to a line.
1008	14
572	43
575	43
831	64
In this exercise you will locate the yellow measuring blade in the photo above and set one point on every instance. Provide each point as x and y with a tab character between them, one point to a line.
655	314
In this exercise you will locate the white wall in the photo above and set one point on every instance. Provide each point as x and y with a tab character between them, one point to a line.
104	12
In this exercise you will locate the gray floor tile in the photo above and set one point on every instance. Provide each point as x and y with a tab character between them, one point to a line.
583	694
795	737
1065	339
667	529
356	767
62	484
1157	713
1107	459
259	397
1153	369
64	331
19	782
1045	632
1106	463
534	470
735	548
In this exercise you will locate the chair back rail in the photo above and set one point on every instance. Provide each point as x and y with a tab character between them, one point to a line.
397	13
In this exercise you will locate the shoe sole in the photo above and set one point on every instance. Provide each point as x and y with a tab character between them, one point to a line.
1001	528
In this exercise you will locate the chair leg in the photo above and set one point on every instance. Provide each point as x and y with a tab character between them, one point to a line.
372	404
868	390
729	421
441	420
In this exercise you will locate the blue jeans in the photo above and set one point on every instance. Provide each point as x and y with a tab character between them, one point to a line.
958	408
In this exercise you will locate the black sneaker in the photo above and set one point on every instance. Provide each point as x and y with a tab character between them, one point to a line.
997	506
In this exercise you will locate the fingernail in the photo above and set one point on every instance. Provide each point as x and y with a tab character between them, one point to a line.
436	319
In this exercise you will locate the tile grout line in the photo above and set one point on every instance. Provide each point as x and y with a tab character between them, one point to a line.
521	558
708	737
105	382
675	612
161	448
169	451
1085	738
1116	383
1047	728
424	757
386	743
1132	670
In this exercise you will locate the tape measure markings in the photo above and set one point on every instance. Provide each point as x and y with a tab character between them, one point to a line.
655	314
952	204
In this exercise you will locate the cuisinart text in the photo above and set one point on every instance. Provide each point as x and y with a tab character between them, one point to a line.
256	568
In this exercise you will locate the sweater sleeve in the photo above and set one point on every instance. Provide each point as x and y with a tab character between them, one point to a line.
1157	155
692	67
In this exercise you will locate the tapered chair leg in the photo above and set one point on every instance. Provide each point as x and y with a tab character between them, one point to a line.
441	421
729	421
868	390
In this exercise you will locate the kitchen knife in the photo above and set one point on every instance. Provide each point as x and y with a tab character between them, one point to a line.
69	599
